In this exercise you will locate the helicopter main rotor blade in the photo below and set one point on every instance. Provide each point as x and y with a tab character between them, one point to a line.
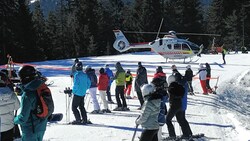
167	33
198	34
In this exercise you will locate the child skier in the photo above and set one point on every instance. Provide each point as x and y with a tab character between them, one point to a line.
149	114
129	80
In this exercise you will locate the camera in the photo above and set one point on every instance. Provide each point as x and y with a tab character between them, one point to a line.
68	91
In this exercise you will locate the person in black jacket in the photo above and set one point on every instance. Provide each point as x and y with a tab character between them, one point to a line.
176	92
208	69
189	77
140	80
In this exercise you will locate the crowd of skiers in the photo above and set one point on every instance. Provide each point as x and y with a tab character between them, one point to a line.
152	97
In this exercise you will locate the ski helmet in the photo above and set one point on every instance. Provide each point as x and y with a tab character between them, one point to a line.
159	69
27	73
79	66
188	66
147	89
171	79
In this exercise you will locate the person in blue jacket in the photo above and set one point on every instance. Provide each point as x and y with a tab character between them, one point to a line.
33	127
110	74
80	86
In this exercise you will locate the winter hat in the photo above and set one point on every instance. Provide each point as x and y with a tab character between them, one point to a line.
118	64
101	71
171	79
188	66
139	64
147	89
173	67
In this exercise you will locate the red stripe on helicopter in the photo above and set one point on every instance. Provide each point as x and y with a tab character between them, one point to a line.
170	53
143	43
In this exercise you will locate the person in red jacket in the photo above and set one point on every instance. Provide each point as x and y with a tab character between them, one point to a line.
102	87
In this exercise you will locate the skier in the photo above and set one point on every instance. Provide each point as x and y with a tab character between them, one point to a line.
73	68
119	89
160	85
102	87
8	104
149	114
129	80
110	74
189	77
92	90
80	86
176	92
223	52
208	69
140	79
202	77
33	127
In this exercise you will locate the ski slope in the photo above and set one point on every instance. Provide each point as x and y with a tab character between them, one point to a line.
224	116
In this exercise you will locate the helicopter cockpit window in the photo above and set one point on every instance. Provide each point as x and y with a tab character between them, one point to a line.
185	47
160	42
177	46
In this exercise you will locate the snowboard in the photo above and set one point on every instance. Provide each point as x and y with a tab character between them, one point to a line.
55	117
179	138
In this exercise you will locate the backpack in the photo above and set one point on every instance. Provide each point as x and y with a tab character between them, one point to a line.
45	104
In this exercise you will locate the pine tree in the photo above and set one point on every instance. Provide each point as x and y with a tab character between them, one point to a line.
25	35
39	27
232	38
7	9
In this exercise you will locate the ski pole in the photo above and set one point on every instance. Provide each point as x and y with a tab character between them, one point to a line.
136	127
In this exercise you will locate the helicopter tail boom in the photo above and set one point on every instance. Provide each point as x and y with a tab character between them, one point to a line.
121	43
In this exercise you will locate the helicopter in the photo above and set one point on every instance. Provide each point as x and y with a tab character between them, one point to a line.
169	47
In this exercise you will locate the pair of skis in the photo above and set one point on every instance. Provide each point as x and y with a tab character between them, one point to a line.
192	138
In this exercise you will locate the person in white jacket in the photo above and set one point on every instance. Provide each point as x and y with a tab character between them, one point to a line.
203	77
8	104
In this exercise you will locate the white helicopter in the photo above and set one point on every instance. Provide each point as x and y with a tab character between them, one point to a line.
169	47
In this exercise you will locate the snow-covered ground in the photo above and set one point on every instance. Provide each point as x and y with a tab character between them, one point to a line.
224	116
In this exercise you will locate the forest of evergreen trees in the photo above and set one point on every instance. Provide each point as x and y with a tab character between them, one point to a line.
80	28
